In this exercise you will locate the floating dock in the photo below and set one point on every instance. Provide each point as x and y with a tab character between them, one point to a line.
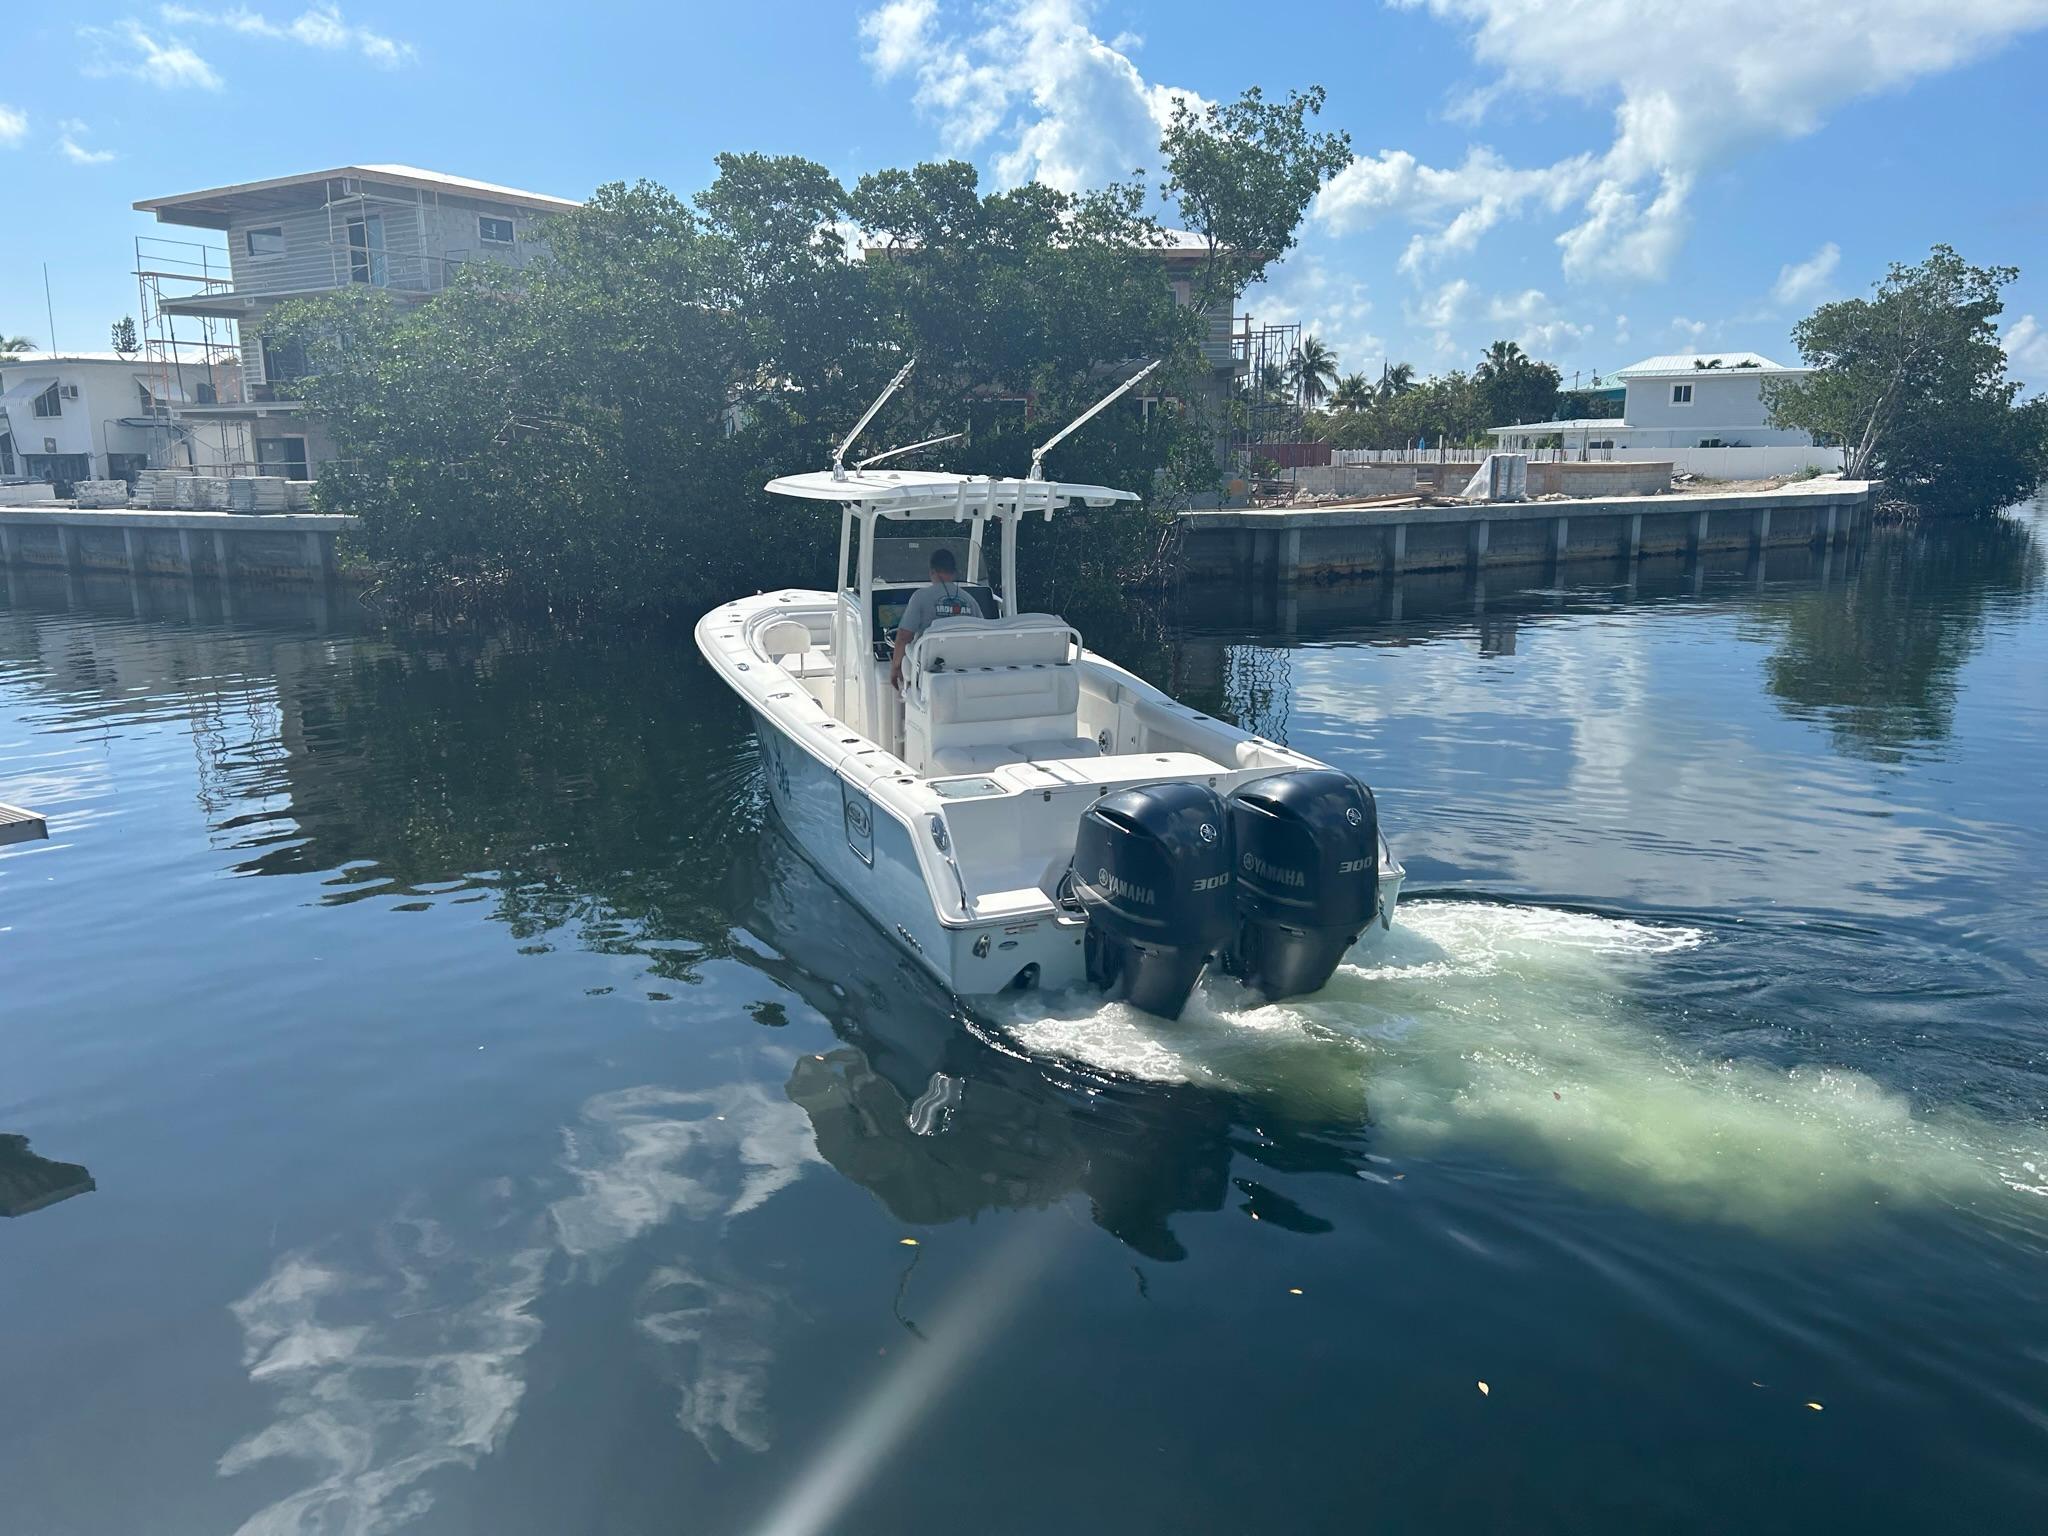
1389	537
19	826
279	546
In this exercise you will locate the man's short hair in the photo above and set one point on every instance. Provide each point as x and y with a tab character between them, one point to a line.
942	562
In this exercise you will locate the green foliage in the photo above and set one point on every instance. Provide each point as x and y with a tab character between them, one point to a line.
1515	387
1447	408
1585	405
10	345
593	433
1311	372
1354	392
122	335
1911	383
1242	174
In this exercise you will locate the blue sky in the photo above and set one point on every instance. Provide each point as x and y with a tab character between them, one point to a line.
1599	179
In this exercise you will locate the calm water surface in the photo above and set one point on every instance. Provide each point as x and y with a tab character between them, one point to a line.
496	1127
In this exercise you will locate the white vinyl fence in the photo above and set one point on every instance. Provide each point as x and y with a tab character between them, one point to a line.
1711	463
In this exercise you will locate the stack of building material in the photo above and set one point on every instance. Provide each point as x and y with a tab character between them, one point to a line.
101	493
300	495
1503	477
158	488
210	493
258	493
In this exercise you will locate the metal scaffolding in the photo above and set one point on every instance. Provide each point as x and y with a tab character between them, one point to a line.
1266	409
203	366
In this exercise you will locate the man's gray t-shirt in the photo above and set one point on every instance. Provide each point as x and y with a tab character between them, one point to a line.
937	600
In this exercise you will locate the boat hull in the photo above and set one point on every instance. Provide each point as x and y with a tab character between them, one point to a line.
865	849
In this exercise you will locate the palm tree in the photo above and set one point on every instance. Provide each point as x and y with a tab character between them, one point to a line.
1354	393
1312	370
9	345
1269	386
1502	357
1396	379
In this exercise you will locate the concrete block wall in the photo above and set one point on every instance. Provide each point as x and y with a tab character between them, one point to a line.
1600	479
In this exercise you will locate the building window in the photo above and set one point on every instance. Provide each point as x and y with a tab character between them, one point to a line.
1681	394
282	456
283	361
1710	442
493	231
48	403
6	453
264	242
366	250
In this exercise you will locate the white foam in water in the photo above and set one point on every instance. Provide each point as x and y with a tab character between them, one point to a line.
1533	1031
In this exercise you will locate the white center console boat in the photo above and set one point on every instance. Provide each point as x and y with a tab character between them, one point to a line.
1023	812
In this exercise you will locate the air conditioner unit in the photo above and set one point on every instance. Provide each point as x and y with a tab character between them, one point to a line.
69	391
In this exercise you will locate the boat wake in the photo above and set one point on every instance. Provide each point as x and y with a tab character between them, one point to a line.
1533	1032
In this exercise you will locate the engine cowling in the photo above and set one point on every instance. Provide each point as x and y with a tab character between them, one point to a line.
1153	873
1307	848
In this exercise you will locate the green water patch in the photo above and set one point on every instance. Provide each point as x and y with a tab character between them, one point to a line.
1534	1032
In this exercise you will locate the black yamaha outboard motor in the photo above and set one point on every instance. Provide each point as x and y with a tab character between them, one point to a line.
1308	885
1152	870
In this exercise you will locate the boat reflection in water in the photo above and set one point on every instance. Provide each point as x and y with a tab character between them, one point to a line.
940	1119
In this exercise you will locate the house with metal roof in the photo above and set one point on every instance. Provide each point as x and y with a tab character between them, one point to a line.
393	227
1681	400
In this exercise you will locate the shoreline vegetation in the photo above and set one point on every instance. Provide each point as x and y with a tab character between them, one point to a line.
588	438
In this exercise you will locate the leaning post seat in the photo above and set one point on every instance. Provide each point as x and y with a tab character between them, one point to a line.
981	692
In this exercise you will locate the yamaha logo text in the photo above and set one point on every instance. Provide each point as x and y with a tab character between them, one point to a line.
1254	865
1124	888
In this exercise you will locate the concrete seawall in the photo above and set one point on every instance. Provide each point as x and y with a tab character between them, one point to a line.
288	546
1323	543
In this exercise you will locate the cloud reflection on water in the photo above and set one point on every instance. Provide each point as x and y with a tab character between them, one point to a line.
389	1367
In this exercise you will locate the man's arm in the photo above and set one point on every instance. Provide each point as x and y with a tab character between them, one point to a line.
903	638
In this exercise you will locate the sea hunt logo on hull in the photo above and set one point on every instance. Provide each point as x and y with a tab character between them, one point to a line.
1117	887
1254	865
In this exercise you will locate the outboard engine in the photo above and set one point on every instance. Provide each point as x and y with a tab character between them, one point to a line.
1152	871
1308	847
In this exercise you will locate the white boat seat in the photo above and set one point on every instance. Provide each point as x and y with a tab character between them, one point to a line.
992	691
788	643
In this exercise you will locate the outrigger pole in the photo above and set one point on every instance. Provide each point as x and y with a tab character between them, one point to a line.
839	458
1038	458
930	442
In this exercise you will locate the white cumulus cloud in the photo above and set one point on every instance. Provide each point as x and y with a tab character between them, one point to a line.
1029	79
129	49
1690	332
2026	352
1805	281
72	130
1688	87
13	125
1329	305
318	26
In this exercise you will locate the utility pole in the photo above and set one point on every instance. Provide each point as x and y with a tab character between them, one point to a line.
49	313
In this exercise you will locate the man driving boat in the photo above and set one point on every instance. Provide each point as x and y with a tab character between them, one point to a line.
944	598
